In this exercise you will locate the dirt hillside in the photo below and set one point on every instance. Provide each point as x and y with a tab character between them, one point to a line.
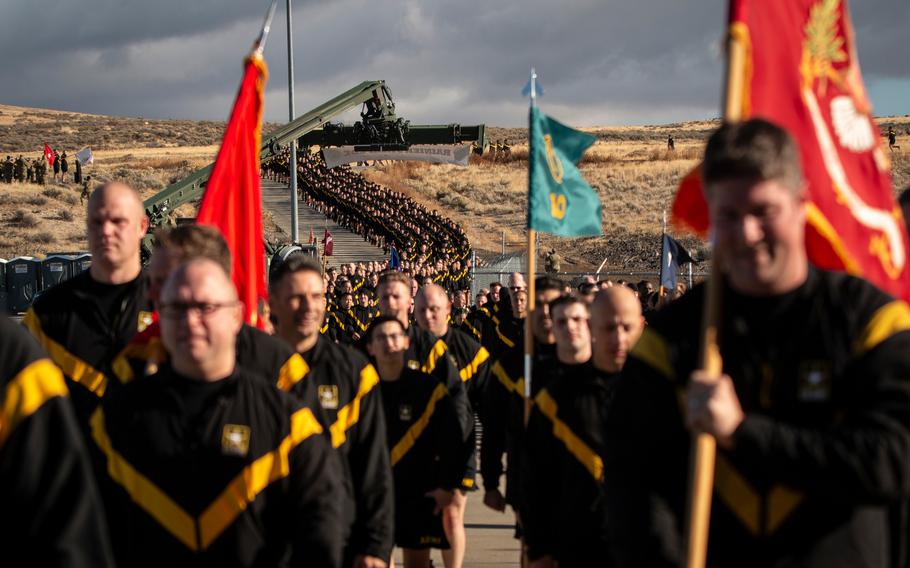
630	167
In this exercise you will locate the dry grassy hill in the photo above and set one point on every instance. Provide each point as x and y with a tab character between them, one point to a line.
630	168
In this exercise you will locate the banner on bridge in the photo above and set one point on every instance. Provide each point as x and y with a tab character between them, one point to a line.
437	154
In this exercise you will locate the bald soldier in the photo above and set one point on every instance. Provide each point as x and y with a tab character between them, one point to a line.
84	322
564	507
432	310
189	457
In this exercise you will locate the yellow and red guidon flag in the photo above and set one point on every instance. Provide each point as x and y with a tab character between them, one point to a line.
802	73
232	199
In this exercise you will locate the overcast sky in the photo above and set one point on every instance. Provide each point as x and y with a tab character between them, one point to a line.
602	62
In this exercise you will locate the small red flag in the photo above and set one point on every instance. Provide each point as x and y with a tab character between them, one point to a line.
48	154
232	200
690	210
327	243
803	74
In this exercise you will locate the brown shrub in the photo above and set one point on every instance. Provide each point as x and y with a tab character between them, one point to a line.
44	238
65	215
36	200
23	218
52	192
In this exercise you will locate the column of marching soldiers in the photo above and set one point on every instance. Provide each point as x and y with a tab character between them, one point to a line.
144	424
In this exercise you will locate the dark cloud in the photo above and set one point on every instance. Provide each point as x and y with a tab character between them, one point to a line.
601	61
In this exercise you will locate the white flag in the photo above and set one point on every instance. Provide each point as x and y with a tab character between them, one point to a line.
85	155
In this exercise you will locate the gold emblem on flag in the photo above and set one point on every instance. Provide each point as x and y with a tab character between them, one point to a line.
328	396
553	160
235	440
558	206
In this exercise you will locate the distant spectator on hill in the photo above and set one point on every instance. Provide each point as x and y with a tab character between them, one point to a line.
64	167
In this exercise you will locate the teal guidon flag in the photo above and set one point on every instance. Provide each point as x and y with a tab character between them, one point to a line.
560	201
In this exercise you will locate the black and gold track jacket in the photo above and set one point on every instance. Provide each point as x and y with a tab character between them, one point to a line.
503	416
347	389
423	435
473	362
230	473
50	511
432	356
823	376
563	510
83	325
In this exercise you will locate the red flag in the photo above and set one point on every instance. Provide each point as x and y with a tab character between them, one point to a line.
803	74
48	154
327	243
690	210
232	200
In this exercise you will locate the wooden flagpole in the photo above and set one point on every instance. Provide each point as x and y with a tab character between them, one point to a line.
529	334
704	447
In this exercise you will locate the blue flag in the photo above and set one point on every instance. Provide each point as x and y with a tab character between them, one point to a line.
560	201
394	259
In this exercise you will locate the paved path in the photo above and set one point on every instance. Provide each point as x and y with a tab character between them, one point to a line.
348	247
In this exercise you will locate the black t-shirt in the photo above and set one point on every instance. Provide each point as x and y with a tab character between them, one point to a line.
195	395
111	299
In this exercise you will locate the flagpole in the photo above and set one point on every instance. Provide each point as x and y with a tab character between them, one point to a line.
292	162
703	451
532	261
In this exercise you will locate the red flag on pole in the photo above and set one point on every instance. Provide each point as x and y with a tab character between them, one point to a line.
327	244
802	73
48	154
232	199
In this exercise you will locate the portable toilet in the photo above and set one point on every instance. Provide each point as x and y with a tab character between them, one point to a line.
23	282
55	269
81	262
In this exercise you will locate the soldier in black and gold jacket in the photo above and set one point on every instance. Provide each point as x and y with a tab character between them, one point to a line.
812	412
503	409
347	389
50	510
564	507
424	438
84	323
204	463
